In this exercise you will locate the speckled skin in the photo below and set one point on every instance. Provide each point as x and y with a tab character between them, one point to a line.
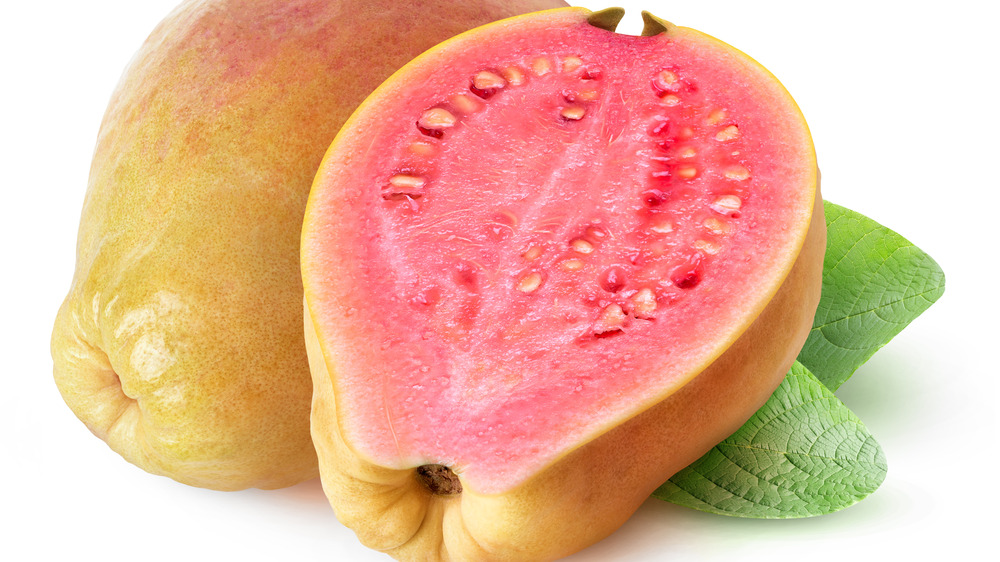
180	341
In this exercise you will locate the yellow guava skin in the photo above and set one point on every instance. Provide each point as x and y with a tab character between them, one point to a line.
180	341
590	490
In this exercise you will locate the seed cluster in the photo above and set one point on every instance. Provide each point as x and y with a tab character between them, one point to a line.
434	122
485	84
625	298
677	165
690	154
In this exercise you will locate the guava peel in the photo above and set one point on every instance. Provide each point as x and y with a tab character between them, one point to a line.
180	341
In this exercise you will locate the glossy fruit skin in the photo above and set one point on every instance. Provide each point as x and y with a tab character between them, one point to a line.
591	490
180	341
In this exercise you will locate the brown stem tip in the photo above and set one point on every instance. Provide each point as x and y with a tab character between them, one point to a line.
439	479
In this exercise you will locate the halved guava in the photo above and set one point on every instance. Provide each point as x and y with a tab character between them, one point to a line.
546	266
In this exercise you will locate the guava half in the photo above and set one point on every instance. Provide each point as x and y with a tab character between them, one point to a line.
546	266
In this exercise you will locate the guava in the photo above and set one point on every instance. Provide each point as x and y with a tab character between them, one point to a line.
546	266
180	341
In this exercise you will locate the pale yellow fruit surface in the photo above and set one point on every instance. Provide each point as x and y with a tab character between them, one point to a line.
180	341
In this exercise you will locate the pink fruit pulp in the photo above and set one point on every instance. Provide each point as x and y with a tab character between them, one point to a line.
463	331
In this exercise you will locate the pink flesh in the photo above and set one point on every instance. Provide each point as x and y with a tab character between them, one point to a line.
442	351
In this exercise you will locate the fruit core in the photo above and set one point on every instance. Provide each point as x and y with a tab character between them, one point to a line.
546	233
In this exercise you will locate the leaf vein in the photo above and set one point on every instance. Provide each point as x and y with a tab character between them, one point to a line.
877	308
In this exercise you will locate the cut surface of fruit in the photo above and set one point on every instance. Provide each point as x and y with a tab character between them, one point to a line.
519	243
545	267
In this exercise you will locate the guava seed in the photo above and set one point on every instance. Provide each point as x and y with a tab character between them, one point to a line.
487	80
405	181
710	248
530	282
437	118
727	205
581	246
687	172
643	303
612	319
541	66
571	63
513	75
596	233
532	253
729	133
573	113
739	173
486	83
715	226
573	96
664	81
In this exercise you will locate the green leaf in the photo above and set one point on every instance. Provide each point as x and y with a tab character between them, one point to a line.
802	454
875	282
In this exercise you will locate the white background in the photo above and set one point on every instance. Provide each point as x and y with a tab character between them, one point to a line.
902	101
